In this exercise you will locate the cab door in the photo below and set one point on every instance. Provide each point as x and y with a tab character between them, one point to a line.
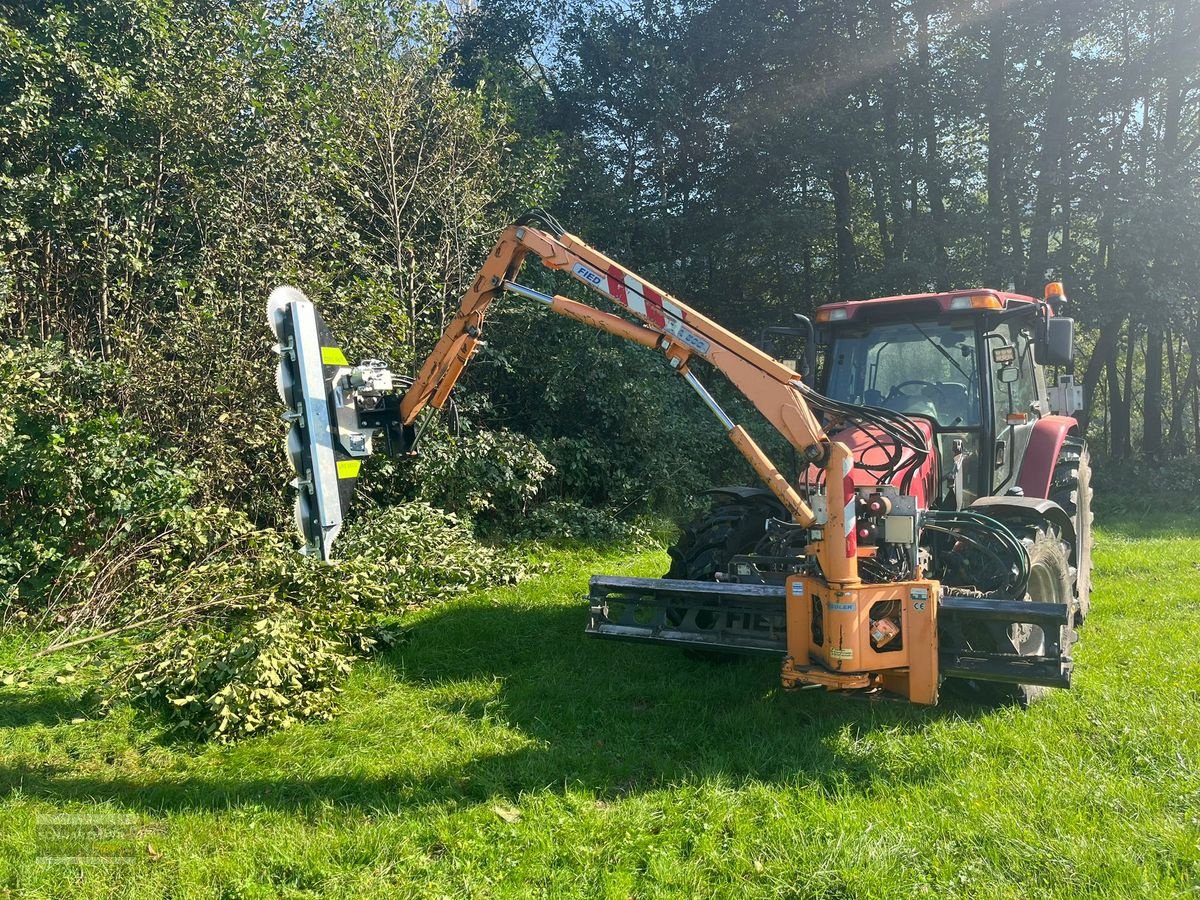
1016	399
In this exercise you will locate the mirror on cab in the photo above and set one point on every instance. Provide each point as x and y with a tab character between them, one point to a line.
793	345
1058	347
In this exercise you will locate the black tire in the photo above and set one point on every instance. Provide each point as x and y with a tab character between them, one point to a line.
1071	488
732	527
1050	581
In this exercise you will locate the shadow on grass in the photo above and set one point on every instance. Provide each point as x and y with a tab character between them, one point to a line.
619	717
609	718
46	708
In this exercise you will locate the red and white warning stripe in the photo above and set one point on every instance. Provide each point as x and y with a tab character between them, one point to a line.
648	304
850	512
639	298
635	295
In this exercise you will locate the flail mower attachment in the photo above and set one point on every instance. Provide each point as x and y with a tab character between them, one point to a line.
335	411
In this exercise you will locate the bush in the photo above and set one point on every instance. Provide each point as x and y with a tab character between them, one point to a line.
228	631
424	554
492	476
267	673
232	631
1143	486
73	480
619	427
569	520
278	631
262	636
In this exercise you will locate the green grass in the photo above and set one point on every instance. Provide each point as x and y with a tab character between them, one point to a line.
500	753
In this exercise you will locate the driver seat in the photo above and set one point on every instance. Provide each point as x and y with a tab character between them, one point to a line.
921	406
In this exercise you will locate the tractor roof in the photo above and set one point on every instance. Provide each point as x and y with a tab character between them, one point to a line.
921	305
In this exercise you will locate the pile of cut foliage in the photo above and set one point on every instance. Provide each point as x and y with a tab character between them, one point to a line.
192	609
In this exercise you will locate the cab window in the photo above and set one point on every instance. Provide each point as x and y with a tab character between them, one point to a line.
920	368
1014	389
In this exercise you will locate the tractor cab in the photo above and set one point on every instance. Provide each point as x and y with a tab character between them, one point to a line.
967	363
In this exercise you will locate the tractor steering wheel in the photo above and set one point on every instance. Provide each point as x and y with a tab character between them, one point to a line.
898	389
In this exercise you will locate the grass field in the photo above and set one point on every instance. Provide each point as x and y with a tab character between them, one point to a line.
499	753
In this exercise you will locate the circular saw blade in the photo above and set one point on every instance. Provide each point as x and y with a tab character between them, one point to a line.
277	305
285	384
303	515
295	451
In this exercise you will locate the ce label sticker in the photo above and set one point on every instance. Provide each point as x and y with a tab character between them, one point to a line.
920	598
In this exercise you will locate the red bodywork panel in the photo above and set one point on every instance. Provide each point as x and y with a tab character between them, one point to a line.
864	449
1045	442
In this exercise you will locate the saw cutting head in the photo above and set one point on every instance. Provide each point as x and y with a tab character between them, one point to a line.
324	399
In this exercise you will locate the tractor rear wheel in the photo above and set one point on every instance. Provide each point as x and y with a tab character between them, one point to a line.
731	528
1071	488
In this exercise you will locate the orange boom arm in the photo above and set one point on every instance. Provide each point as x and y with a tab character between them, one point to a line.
680	333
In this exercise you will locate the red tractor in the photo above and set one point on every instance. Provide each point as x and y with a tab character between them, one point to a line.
937	525
969	370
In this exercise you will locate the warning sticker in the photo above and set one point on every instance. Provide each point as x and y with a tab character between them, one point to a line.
797	588
841	653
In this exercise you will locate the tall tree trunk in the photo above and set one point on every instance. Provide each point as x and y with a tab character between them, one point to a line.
1111	317
1105	347
1012	190
1054	148
1152	402
1168	163
807	250
1165	258
839	183
1177	440
1118	408
929	136
890	115
997	142
1193	345
879	203
1066	251
1127	390
1107	422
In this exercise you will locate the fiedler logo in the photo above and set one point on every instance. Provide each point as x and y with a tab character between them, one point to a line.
592	278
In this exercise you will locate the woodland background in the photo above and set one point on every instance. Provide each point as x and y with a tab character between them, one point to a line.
164	163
